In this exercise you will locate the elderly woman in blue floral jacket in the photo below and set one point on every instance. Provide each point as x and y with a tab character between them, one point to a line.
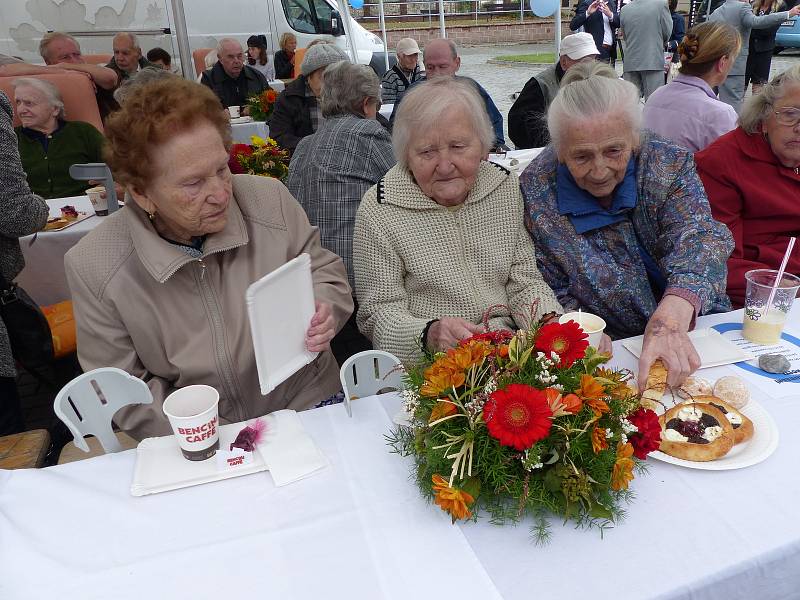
621	223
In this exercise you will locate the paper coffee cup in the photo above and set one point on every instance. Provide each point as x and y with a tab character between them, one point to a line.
193	413
98	199
234	112
591	324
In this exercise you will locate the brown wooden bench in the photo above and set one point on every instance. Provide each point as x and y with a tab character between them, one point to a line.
24	450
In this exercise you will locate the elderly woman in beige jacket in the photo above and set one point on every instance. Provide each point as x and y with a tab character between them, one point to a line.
440	241
159	287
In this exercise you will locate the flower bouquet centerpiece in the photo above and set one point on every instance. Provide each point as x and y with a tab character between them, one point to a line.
262	104
262	157
526	424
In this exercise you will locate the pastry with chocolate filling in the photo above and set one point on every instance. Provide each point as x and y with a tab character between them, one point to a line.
742	426
695	431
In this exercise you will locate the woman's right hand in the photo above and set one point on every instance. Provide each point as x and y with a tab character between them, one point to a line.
447	332
795	11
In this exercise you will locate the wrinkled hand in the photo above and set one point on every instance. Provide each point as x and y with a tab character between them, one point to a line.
117	188
322	329
605	345
245	112
448	331
665	337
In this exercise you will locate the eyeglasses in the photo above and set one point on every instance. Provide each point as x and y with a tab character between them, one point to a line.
789	117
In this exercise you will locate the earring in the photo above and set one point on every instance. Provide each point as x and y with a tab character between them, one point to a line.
151	216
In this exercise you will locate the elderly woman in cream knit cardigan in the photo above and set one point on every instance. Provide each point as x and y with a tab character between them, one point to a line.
441	240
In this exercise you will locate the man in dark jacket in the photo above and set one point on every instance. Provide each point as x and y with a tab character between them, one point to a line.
527	119
297	113
600	19
230	79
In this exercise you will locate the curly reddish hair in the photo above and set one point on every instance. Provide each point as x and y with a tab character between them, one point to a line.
152	114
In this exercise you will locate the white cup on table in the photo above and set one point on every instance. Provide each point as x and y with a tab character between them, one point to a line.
193	413
234	112
591	324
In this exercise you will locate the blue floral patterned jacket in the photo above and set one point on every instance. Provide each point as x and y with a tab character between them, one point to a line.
602	271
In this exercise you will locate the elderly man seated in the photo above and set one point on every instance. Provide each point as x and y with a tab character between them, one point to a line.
441	59
527	120
128	57
230	79
397	79
621	222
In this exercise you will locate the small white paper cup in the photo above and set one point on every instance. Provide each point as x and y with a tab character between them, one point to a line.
234	112
98	200
193	413
591	324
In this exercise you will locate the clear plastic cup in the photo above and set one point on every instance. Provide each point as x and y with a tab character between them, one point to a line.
193	412
591	324
760	325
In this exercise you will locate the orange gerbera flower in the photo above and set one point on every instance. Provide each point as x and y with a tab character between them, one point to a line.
599	441
441	376
591	390
622	474
442	409
572	404
451	500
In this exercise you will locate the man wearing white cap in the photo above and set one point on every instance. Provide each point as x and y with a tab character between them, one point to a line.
527	123
397	79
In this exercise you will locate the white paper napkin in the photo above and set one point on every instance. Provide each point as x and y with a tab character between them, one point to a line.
288	451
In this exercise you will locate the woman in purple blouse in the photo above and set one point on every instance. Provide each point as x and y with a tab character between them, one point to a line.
687	110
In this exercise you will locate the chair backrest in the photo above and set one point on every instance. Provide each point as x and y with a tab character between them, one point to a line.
298	60
97	59
102	174
199	58
369	373
87	404
80	103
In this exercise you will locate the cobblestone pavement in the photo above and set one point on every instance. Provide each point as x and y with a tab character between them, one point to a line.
501	81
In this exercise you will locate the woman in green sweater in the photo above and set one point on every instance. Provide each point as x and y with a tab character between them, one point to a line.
49	145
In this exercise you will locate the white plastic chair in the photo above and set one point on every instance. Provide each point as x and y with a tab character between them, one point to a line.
368	373
87	404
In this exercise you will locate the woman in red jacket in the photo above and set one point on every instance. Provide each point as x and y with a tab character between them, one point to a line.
752	178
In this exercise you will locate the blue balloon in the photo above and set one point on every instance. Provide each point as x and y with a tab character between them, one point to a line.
544	8
357	4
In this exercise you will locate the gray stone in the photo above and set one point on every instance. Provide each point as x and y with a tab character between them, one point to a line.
774	363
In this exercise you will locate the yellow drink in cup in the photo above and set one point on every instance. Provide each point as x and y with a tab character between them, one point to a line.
762	324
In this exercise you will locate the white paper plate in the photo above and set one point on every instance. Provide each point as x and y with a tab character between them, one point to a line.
281	306
714	350
746	454
160	466
240	120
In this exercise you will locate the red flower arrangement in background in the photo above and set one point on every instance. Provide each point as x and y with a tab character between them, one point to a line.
261	105
567	340
518	415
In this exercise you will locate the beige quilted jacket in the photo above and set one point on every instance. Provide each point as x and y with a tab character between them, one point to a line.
415	260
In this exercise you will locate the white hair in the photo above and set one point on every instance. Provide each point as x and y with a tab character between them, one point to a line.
424	105
591	94
226	40
47	89
132	37
758	107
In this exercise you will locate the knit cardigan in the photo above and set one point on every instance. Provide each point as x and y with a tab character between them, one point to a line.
23	213
48	171
415	260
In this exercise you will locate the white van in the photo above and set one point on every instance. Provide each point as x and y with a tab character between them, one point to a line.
94	22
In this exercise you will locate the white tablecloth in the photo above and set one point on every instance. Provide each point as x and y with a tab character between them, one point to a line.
43	276
243	131
361	530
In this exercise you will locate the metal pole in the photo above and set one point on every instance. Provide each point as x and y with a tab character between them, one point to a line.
385	39
558	28
521	10
441	19
185	54
344	11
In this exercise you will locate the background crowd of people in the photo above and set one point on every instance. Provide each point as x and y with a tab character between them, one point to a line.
646	207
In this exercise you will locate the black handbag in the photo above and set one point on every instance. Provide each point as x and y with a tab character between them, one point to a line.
28	330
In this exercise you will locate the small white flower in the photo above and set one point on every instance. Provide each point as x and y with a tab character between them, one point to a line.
628	427
609	433
623	439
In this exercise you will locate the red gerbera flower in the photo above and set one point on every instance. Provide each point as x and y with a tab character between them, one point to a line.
648	436
518	415
567	340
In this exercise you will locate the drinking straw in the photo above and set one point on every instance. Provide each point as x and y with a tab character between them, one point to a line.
779	276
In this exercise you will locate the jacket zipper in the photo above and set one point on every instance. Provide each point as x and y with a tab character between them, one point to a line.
222	358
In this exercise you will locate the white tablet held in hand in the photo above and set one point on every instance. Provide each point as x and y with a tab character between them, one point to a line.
280	306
